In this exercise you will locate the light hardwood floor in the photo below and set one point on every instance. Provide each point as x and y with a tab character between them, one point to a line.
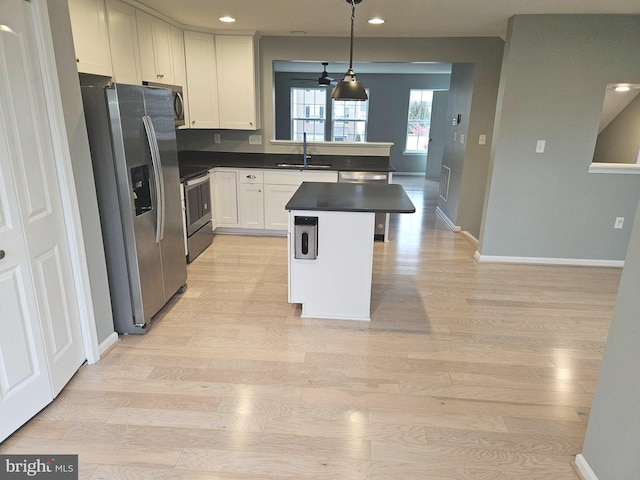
466	371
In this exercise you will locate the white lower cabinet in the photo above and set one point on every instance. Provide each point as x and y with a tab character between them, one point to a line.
225	198
252	199
250	206
279	187
275	199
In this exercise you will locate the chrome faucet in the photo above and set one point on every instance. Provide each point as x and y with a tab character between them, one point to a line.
305	155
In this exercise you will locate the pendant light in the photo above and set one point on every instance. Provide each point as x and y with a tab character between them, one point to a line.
349	88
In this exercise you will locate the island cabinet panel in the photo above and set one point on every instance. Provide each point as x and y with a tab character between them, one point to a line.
237	92
123	39
90	36
154	39
225	198
337	283
202	85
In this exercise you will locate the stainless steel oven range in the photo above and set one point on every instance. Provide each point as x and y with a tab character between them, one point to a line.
197	197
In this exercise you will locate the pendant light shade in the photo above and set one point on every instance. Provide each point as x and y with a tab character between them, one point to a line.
349	88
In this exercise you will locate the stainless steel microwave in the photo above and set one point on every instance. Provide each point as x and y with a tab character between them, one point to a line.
178	101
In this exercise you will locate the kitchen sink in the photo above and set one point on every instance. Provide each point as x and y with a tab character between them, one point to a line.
302	166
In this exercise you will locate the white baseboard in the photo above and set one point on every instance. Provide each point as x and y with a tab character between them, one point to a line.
584	468
471	238
108	343
580	262
445	219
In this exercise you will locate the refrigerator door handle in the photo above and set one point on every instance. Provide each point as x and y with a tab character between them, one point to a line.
157	169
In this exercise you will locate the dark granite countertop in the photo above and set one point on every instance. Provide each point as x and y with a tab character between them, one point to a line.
351	197
190	158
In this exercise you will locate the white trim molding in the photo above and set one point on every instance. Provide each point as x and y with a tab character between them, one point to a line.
584	468
62	159
615	168
443	216
579	262
471	238
108	343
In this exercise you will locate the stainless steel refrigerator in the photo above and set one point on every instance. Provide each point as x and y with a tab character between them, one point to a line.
135	163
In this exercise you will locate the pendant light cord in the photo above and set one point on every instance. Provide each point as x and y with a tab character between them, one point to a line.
353	17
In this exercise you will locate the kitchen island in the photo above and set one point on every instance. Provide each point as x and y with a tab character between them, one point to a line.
330	245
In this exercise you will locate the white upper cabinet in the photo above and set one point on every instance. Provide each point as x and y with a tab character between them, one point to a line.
154	39
90	36
237	92
221	81
202	87
123	38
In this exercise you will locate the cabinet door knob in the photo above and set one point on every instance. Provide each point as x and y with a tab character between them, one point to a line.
2	254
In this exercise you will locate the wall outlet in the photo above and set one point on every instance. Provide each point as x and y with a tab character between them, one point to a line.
540	144
255	139
216	138
619	223
482	139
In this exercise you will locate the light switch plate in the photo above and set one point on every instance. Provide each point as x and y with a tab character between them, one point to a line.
540	144
619	223
462	138
255	139
216	138
482	139
455	136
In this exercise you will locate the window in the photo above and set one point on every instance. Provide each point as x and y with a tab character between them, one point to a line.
308	113
349	120
419	121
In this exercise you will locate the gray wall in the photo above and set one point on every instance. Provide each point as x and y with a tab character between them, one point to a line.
437	134
388	104
619	142
613	433
555	71
459	103
81	165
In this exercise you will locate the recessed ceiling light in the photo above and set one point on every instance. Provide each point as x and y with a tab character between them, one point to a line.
622	88
227	19
376	21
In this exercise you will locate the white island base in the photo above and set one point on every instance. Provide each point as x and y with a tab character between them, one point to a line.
336	284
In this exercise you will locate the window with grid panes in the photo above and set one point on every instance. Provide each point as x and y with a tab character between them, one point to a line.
308	113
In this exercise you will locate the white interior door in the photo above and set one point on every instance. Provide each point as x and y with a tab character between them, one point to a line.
40	344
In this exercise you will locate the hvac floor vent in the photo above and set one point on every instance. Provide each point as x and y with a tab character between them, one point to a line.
445	175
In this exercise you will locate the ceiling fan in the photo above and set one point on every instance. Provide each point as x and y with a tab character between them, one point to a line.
323	80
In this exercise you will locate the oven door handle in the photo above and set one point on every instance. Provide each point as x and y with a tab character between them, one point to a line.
158	177
197	181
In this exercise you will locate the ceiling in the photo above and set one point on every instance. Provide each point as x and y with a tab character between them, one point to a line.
416	18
